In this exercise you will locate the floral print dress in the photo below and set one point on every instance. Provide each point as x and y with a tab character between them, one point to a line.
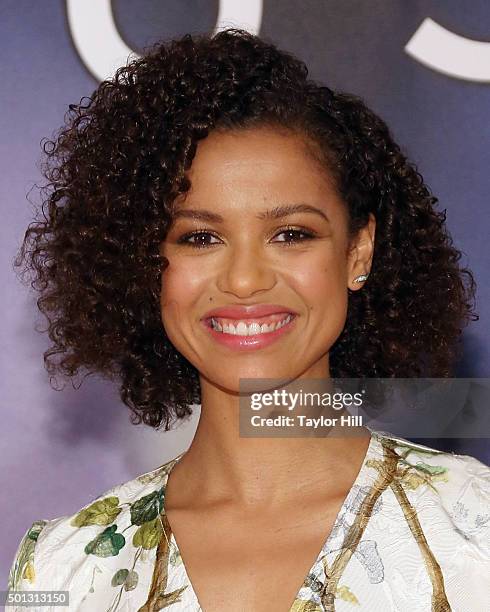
413	534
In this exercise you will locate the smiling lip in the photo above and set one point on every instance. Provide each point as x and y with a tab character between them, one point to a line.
255	341
236	311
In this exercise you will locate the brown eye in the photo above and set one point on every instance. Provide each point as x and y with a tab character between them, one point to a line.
201	239
292	236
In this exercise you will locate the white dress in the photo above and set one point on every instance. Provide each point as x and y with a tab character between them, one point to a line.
413	535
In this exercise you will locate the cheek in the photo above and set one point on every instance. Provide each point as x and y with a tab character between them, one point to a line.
322	280
180	281
173	298
180	288
322	285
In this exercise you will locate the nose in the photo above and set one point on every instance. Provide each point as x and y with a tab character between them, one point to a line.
245	272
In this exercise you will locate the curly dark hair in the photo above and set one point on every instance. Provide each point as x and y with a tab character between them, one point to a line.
119	162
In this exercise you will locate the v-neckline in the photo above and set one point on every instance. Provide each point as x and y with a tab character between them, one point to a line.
326	546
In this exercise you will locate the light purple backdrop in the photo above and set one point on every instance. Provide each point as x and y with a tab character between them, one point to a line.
61	448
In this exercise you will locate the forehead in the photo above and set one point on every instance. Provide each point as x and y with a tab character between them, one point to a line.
257	164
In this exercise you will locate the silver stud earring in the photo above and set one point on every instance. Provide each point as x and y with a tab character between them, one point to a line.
360	278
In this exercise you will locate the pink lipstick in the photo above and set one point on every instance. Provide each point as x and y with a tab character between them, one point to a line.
249	327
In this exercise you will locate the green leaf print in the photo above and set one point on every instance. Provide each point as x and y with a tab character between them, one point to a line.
131	581
23	567
412	476
101	512
126	577
35	530
106	544
343	592
146	508
433	470
119	577
148	535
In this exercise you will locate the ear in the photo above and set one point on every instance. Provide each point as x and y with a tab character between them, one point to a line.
360	254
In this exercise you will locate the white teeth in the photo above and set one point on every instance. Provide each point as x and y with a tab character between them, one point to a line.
242	329
283	323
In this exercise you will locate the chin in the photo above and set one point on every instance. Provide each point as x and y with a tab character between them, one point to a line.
260	378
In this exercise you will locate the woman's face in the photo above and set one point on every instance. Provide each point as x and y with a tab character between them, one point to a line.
229	252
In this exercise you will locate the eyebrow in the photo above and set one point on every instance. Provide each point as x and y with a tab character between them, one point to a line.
274	213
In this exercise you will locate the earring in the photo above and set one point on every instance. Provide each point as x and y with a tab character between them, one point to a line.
360	278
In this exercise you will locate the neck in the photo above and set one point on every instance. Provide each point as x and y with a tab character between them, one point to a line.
221	466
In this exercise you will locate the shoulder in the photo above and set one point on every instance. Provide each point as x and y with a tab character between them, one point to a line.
22	568
434	513
458	484
431	464
433	461
53	552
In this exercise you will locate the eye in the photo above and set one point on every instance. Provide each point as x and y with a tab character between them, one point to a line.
200	236
199	239
293	234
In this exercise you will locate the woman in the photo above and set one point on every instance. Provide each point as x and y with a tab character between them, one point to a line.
207	195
